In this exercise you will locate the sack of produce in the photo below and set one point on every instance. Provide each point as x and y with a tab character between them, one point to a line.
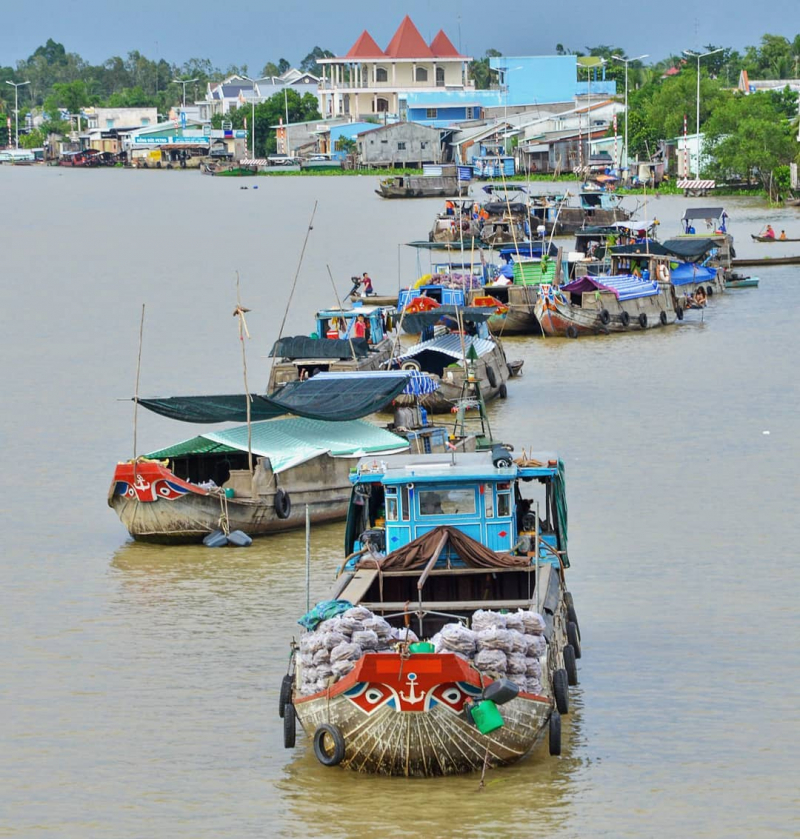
516	664
404	634
534	686
343	667
360	613
495	639
349	624
533	622
537	645
486	619
333	639
366	639
311	642
379	626
519	641
307	659
491	661
347	650
457	638
514	621
322	656
533	668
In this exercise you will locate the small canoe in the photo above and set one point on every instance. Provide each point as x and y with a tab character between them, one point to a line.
771	239
742	282
778	260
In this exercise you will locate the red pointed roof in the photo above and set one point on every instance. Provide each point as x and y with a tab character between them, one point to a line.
365	47
442	46
407	42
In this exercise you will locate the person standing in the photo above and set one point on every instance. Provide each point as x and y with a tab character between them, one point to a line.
360	327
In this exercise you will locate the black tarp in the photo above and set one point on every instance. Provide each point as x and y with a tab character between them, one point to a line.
497	208
416	322
640	249
690	248
316	398
703	212
301	346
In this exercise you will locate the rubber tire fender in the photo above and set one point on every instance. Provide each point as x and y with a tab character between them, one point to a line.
625	319
572	332
605	317
336	755
679	312
285	697
283	504
491	376
289	726
643	320
663	317
502	391
561	690
570	665
574	638
410	364
709	291
555	733
572	615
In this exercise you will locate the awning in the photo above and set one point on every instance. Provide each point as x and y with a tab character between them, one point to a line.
289	442
301	346
691	272
623	287
333	399
450	345
690	248
703	212
415	322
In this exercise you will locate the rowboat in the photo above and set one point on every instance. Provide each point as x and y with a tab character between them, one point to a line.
771	239
449	641
742	282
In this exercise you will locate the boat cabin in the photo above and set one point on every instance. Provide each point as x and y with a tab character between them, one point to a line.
343	320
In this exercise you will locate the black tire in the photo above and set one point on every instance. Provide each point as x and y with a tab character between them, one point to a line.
555	733
574	638
285	697
570	665
289	726
663	318
710	291
335	756
502	391
572	615
491	376
605	317
283	504
625	319
561	691
679	312
643	320
410	365
572	332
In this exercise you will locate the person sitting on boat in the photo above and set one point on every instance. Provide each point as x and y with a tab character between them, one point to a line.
782	237
333	329
700	296
476	209
360	327
366	282
769	233
449	208
636	271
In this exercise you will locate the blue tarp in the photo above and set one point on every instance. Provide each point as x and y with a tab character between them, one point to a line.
624	286
689	272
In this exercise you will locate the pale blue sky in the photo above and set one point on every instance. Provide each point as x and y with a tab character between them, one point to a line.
255	32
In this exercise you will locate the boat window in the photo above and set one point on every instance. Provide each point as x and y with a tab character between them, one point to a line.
488	500
503	504
454	502
405	504
391	508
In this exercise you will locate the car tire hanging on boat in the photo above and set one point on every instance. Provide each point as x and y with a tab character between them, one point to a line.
491	376
555	733
605	317
574	638
335	756
561	690
679	312
285	697
625	319
663	318
502	391
283	504
643	320
572	332
570	664
289	726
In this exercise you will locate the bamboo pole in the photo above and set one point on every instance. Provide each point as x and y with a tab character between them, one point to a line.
238	312
136	392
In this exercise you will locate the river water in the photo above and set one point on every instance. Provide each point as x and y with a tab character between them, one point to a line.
138	684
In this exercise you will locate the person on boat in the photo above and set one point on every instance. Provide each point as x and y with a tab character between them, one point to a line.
637	271
700	296
360	327
366	282
769	233
449	208
782	237
476	209
333	329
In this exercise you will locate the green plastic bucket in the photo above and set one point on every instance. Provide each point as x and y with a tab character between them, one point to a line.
421	647
230	492
486	717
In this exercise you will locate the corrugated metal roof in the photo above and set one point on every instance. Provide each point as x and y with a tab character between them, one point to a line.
290	442
451	345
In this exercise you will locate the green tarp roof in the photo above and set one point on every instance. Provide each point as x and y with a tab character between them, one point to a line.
291	441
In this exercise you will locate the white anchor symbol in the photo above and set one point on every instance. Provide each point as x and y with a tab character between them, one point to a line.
141	483
412	697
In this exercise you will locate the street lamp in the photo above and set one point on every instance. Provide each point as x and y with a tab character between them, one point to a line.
16	86
626	62
184	82
504	83
253	118
698	56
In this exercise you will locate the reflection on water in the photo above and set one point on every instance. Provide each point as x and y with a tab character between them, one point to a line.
140	682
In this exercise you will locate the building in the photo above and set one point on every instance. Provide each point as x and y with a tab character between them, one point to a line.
404	144
368	80
747	86
182	144
235	91
107	119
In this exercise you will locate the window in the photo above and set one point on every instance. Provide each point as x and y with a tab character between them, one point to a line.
454	502
469	113
503	504
145	121
431	113
109	124
421	75
440	77
423	145
391	508
381	75
406	511
382	106
401	147
488	500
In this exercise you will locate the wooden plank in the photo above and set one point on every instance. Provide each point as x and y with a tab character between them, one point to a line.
358	585
458	572
448	605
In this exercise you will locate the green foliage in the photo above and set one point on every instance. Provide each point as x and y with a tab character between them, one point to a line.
32	140
309	63
5	134
481	73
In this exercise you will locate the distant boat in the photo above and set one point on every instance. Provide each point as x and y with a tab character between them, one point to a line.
435	182
771	239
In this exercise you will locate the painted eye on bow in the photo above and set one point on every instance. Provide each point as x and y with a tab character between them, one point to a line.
451	695
373	695
163	490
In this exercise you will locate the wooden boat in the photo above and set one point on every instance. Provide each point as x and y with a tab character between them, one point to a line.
771	239
229	170
502	223
182	493
301	357
610	303
742	282
437	182
438	545
767	260
595	208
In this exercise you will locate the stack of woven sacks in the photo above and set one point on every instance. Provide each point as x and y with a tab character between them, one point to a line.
335	646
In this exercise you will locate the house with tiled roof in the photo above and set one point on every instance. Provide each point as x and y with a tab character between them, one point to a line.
368	81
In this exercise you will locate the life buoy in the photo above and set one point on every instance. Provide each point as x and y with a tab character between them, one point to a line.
283	504
604	316
410	365
662	272
335	755
491	376
625	319
643	320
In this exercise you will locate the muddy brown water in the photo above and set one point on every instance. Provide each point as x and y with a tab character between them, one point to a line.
139	683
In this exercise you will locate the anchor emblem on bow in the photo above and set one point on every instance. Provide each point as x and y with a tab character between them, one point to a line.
140	482
412	697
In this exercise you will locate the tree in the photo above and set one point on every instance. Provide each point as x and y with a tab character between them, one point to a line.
480	71
32	140
309	63
71	96
270	69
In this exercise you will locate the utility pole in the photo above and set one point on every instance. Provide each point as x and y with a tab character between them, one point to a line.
626	62
698	56
16	86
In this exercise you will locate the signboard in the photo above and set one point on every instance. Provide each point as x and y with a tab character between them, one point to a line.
108	135
170	141
183	119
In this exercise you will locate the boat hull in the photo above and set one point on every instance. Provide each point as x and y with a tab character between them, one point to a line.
406	716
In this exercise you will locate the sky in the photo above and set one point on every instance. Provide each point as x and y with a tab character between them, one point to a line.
253	33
